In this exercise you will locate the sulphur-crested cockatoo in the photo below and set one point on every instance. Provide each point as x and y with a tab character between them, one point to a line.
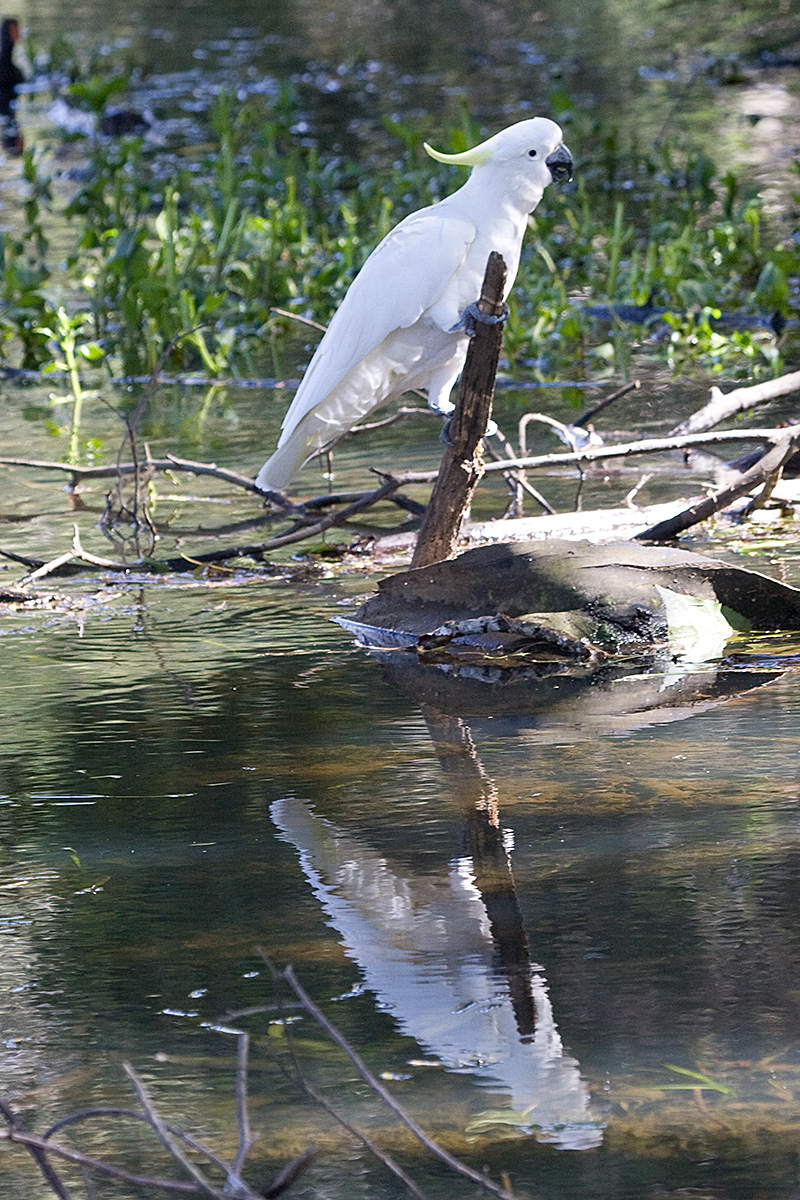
400	325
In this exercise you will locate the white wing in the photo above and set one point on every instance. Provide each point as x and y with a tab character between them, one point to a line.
405	275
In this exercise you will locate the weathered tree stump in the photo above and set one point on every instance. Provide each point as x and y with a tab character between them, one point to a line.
462	464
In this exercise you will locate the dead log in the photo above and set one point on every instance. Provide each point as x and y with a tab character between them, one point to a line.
606	592
721	406
763	472
462	465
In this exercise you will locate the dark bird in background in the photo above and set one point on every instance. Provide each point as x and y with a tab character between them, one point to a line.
123	121
10	79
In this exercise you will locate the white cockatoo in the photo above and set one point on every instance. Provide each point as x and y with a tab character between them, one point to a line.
400	325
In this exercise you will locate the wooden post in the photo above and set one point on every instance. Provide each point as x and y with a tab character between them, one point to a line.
462	464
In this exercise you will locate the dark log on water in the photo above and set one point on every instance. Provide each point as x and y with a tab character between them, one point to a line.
570	599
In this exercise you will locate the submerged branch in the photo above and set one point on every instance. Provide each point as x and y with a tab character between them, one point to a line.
439	1151
246	1139
15	1133
38	1146
369	1143
170	1144
131	1114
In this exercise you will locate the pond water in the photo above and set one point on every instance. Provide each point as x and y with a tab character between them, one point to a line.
530	907
525	904
653	70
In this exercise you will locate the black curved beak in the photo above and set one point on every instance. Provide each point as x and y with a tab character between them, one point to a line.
560	164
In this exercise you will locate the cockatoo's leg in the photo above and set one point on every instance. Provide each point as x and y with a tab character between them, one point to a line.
440	385
472	315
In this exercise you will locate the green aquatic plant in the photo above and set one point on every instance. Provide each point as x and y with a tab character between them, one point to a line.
72	353
698	1081
96	91
193	253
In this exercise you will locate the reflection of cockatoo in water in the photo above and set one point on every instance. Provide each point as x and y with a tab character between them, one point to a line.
400	325
424	944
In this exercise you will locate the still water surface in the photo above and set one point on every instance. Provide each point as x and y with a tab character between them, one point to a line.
205	771
519	900
520	903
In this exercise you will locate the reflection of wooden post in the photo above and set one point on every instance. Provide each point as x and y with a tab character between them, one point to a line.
476	798
462	464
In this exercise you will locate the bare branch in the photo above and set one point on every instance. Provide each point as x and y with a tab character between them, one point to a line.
563	431
720	406
388	1099
337	518
77	552
299	1080
174	1150
246	1138
767	466
516	479
183	562
36	1144
399	415
48	567
287	1175
596	409
196	468
567	458
170	463
33	563
89	1113
601	453
362	1137
284	312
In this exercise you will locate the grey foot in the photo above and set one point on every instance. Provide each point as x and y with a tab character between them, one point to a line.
472	317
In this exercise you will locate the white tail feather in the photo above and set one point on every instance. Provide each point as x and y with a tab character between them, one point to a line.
281	467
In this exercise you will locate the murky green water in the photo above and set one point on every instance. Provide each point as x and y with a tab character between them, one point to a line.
520	912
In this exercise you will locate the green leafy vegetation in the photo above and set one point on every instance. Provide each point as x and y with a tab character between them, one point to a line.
181	260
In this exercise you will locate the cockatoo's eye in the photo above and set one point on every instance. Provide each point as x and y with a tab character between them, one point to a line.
531	154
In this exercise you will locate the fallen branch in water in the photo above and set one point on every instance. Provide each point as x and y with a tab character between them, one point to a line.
593	454
77	556
528	462
296	535
339	508
766	471
298	1079
173	463
111	471
721	405
45	1151
388	1099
